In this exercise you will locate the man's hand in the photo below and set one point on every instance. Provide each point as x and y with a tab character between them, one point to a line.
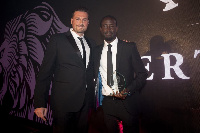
41	112
121	95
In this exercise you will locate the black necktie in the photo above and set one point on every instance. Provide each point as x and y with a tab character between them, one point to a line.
109	66
84	53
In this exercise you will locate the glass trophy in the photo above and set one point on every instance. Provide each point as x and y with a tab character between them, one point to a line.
119	82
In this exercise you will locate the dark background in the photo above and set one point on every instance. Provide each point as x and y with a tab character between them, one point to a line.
169	104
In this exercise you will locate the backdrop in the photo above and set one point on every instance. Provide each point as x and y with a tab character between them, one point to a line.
166	33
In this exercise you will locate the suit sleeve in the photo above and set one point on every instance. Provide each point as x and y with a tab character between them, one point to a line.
44	77
139	70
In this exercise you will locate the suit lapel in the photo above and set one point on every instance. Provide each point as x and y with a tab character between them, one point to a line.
91	52
119	52
88	42
73	43
75	47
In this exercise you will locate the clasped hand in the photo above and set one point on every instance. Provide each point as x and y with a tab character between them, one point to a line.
120	95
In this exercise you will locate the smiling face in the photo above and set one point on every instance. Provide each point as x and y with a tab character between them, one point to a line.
109	29
80	22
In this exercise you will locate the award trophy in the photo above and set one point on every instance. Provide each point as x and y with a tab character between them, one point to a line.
119	82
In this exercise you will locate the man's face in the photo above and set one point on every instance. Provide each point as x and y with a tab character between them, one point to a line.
80	22
109	29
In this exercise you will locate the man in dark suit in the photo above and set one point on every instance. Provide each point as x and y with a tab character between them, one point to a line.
119	105
67	64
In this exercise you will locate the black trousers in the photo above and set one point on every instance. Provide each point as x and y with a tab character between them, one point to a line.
115	111
71	122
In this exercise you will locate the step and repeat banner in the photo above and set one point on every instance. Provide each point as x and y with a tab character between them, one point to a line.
167	34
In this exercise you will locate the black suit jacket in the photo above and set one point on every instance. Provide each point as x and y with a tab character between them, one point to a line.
63	65
130	65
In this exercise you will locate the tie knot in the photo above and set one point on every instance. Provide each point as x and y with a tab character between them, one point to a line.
109	48
80	38
109	45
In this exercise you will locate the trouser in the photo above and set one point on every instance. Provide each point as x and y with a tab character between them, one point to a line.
71	122
115	111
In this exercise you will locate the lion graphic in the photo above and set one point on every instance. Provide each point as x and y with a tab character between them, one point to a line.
22	51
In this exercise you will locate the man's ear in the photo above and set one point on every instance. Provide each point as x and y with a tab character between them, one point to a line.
71	20
100	29
117	29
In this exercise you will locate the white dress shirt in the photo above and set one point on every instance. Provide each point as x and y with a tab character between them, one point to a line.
106	90
78	42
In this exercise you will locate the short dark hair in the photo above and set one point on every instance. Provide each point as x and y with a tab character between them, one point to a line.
81	9
108	16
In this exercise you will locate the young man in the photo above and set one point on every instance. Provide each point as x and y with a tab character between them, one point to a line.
122	58
67	64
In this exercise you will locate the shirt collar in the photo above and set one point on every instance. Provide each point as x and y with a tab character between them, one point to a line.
74	34
113	43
